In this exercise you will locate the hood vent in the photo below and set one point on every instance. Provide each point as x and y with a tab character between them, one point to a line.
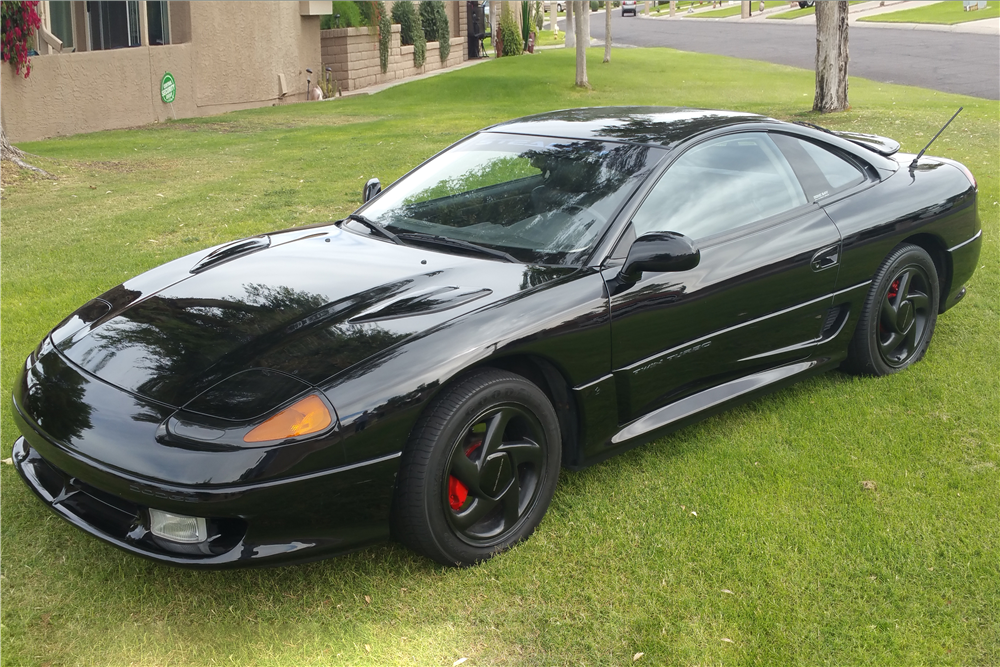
232	251
420	302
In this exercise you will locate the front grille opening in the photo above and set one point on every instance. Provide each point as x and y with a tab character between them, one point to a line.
121	520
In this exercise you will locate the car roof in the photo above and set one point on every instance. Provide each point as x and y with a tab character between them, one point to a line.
660	126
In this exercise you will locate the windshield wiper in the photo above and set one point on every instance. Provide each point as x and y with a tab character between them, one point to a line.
374	226
433	239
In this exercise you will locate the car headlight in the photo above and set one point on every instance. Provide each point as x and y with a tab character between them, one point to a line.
302	418
310	415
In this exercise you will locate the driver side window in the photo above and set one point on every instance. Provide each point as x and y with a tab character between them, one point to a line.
721	185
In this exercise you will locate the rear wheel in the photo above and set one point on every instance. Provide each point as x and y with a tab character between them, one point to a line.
479	470
899	314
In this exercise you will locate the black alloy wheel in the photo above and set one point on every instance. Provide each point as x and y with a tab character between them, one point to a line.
899	314
479	470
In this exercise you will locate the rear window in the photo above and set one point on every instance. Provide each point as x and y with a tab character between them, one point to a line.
821	171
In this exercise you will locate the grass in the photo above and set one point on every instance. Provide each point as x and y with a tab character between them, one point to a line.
734	10
549	38
946	13
682	6
542	38
788	561
806	11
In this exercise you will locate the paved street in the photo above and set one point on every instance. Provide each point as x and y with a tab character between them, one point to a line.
954	62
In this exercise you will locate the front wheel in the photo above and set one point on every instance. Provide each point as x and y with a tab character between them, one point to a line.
479	470
899	314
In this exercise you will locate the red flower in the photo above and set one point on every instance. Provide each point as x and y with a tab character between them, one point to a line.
19	19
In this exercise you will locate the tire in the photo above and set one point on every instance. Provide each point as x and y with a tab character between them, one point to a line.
479	469
899	314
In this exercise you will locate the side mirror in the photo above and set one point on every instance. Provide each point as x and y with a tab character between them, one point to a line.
372	188
659	252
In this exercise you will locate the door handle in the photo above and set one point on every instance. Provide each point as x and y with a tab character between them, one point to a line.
826	258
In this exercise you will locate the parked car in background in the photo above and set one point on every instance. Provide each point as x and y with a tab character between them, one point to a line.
629	7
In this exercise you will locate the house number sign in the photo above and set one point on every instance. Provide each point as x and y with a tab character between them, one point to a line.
168	88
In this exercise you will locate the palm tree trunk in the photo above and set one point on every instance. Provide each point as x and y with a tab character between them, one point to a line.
831	57
8	152
570	26
582	42
607	31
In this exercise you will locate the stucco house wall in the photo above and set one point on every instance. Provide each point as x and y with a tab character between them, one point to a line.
223	56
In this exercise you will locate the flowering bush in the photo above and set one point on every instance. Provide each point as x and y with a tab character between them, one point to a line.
19	20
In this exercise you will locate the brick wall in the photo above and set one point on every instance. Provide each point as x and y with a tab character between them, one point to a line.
352	55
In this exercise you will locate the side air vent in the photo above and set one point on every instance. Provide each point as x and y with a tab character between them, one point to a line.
834	322
232	251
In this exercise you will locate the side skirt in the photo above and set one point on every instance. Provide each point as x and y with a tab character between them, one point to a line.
709	402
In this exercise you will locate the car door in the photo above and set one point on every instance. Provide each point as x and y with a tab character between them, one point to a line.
758	298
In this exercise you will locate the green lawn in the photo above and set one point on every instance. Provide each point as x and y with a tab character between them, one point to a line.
807	11
664	8
548	38
542	38
744	540
734	9
947	13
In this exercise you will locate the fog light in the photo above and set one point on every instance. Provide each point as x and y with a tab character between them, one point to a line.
177	527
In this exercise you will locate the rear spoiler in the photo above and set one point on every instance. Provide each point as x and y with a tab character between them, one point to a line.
881	145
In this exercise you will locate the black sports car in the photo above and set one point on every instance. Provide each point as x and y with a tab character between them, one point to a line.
547	292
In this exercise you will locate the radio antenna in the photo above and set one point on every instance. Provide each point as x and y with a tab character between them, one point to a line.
921	153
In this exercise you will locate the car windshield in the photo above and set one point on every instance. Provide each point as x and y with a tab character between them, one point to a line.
538	199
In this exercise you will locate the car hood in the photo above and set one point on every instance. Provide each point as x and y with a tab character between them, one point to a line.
235	331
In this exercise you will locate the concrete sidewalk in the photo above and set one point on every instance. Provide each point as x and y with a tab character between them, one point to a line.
989	26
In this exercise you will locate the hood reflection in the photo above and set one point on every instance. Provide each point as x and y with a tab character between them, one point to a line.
318	307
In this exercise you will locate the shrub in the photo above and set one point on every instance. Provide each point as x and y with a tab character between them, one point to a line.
411	31
436	27
384	36
539	15
371	12
513	45
350	16
525	20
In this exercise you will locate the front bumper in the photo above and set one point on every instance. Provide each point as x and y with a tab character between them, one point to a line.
89	452
291	532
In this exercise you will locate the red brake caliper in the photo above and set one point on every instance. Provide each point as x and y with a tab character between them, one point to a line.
457	492
893	291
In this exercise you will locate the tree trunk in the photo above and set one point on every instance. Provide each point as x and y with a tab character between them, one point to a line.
582	41
553	21
8	152
607	31
570	29
831	57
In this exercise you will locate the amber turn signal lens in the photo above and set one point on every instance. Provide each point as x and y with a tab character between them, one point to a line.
310	415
